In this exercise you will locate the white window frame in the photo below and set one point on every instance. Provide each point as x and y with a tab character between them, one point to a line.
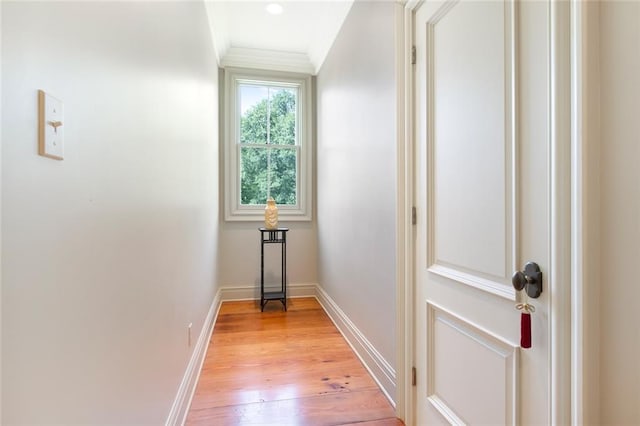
234	210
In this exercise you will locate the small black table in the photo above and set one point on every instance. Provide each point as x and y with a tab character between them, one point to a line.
274	236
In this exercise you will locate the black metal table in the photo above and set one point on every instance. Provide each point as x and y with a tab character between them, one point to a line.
274	236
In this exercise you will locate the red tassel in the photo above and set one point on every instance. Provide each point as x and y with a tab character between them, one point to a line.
525	330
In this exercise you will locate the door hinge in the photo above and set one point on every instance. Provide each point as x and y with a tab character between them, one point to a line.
414	216
413	376
413	55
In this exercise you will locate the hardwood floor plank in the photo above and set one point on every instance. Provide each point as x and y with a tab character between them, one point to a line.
336	409
391	421
279	368
251	306
306	350
259	387
319	347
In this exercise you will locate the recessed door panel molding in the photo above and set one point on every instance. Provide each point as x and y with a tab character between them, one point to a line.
471	122
473	373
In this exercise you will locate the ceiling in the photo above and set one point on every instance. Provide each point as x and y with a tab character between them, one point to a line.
298	39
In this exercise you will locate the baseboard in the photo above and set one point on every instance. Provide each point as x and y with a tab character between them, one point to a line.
180	408
253	292
381	371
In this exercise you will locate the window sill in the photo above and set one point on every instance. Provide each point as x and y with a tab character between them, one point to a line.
258	216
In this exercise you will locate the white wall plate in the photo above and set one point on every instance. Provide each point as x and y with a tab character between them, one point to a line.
50	126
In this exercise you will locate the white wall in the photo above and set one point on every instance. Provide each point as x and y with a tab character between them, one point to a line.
240	255
356	168
591	232
620	211
111	253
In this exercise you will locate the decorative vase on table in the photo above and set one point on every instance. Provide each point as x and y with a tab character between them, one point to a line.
271	214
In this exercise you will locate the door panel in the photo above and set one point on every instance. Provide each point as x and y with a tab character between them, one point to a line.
471	108
456	349
470	112
482	191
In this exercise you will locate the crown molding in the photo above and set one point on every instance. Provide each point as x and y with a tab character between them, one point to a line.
273	60
319	47
218	34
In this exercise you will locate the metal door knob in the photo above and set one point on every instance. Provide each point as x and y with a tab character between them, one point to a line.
529	280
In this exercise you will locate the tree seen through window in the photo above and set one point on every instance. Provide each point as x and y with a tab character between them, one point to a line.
268	144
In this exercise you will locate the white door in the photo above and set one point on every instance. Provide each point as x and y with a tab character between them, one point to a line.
483	197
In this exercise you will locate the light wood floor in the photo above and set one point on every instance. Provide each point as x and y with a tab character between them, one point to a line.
284	368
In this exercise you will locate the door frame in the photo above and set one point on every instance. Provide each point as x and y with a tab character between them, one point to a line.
585	269
567	196
404	201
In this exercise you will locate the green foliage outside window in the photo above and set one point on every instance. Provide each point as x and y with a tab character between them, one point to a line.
268	150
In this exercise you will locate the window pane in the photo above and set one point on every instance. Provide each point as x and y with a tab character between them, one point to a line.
253	176
283	176
282	119
253	113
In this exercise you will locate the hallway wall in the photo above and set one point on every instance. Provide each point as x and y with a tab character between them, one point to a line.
620	211
240	256
108	255
356	172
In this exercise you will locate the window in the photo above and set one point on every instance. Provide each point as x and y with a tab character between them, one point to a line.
267	144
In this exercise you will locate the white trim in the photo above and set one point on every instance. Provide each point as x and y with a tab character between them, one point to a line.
403	334
578	25
272	60
445	411
490	286
218	40
232	208
584	285
230	293
180	408
405	306
379	368
559	277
